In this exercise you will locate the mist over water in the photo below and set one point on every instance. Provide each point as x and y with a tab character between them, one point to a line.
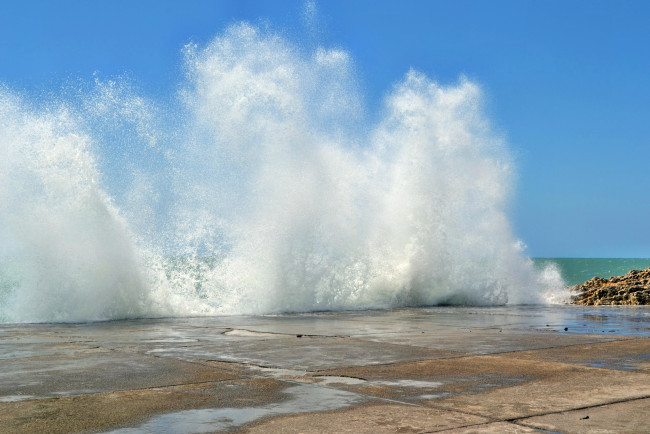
261	187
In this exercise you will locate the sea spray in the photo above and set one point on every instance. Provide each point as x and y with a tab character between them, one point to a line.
262	188
64	251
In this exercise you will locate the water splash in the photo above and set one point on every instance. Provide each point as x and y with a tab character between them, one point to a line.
262	188
64	251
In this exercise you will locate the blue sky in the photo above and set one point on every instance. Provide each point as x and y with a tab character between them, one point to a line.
567	82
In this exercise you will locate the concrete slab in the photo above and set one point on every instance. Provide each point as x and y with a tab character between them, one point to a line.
506	369
376	418
458	376
294	399
624	417
627	355
560	388
494	427
488	341
306	352
96	371
106	411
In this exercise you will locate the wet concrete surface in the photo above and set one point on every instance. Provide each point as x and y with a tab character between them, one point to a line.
504	369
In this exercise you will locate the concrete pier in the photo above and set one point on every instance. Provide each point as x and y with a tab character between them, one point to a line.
505	369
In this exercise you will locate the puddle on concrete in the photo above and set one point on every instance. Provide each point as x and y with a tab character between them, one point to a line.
304	398
352	381
409	383
16	398
250	333
629	364
427	397
327	380
279	372
348	381
170	341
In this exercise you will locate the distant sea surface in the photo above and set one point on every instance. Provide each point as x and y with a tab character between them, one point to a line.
578	270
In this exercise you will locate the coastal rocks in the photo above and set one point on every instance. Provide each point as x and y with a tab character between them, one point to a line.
631	288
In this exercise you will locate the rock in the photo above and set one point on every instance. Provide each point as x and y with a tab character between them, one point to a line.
631	288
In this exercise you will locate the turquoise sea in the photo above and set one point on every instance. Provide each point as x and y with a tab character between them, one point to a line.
578	270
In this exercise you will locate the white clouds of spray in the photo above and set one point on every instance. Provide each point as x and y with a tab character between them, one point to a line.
64	251
279	196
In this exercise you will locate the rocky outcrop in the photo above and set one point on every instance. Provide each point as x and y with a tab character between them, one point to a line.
630	288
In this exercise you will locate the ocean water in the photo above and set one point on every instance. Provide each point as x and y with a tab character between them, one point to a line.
578	270
263	185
